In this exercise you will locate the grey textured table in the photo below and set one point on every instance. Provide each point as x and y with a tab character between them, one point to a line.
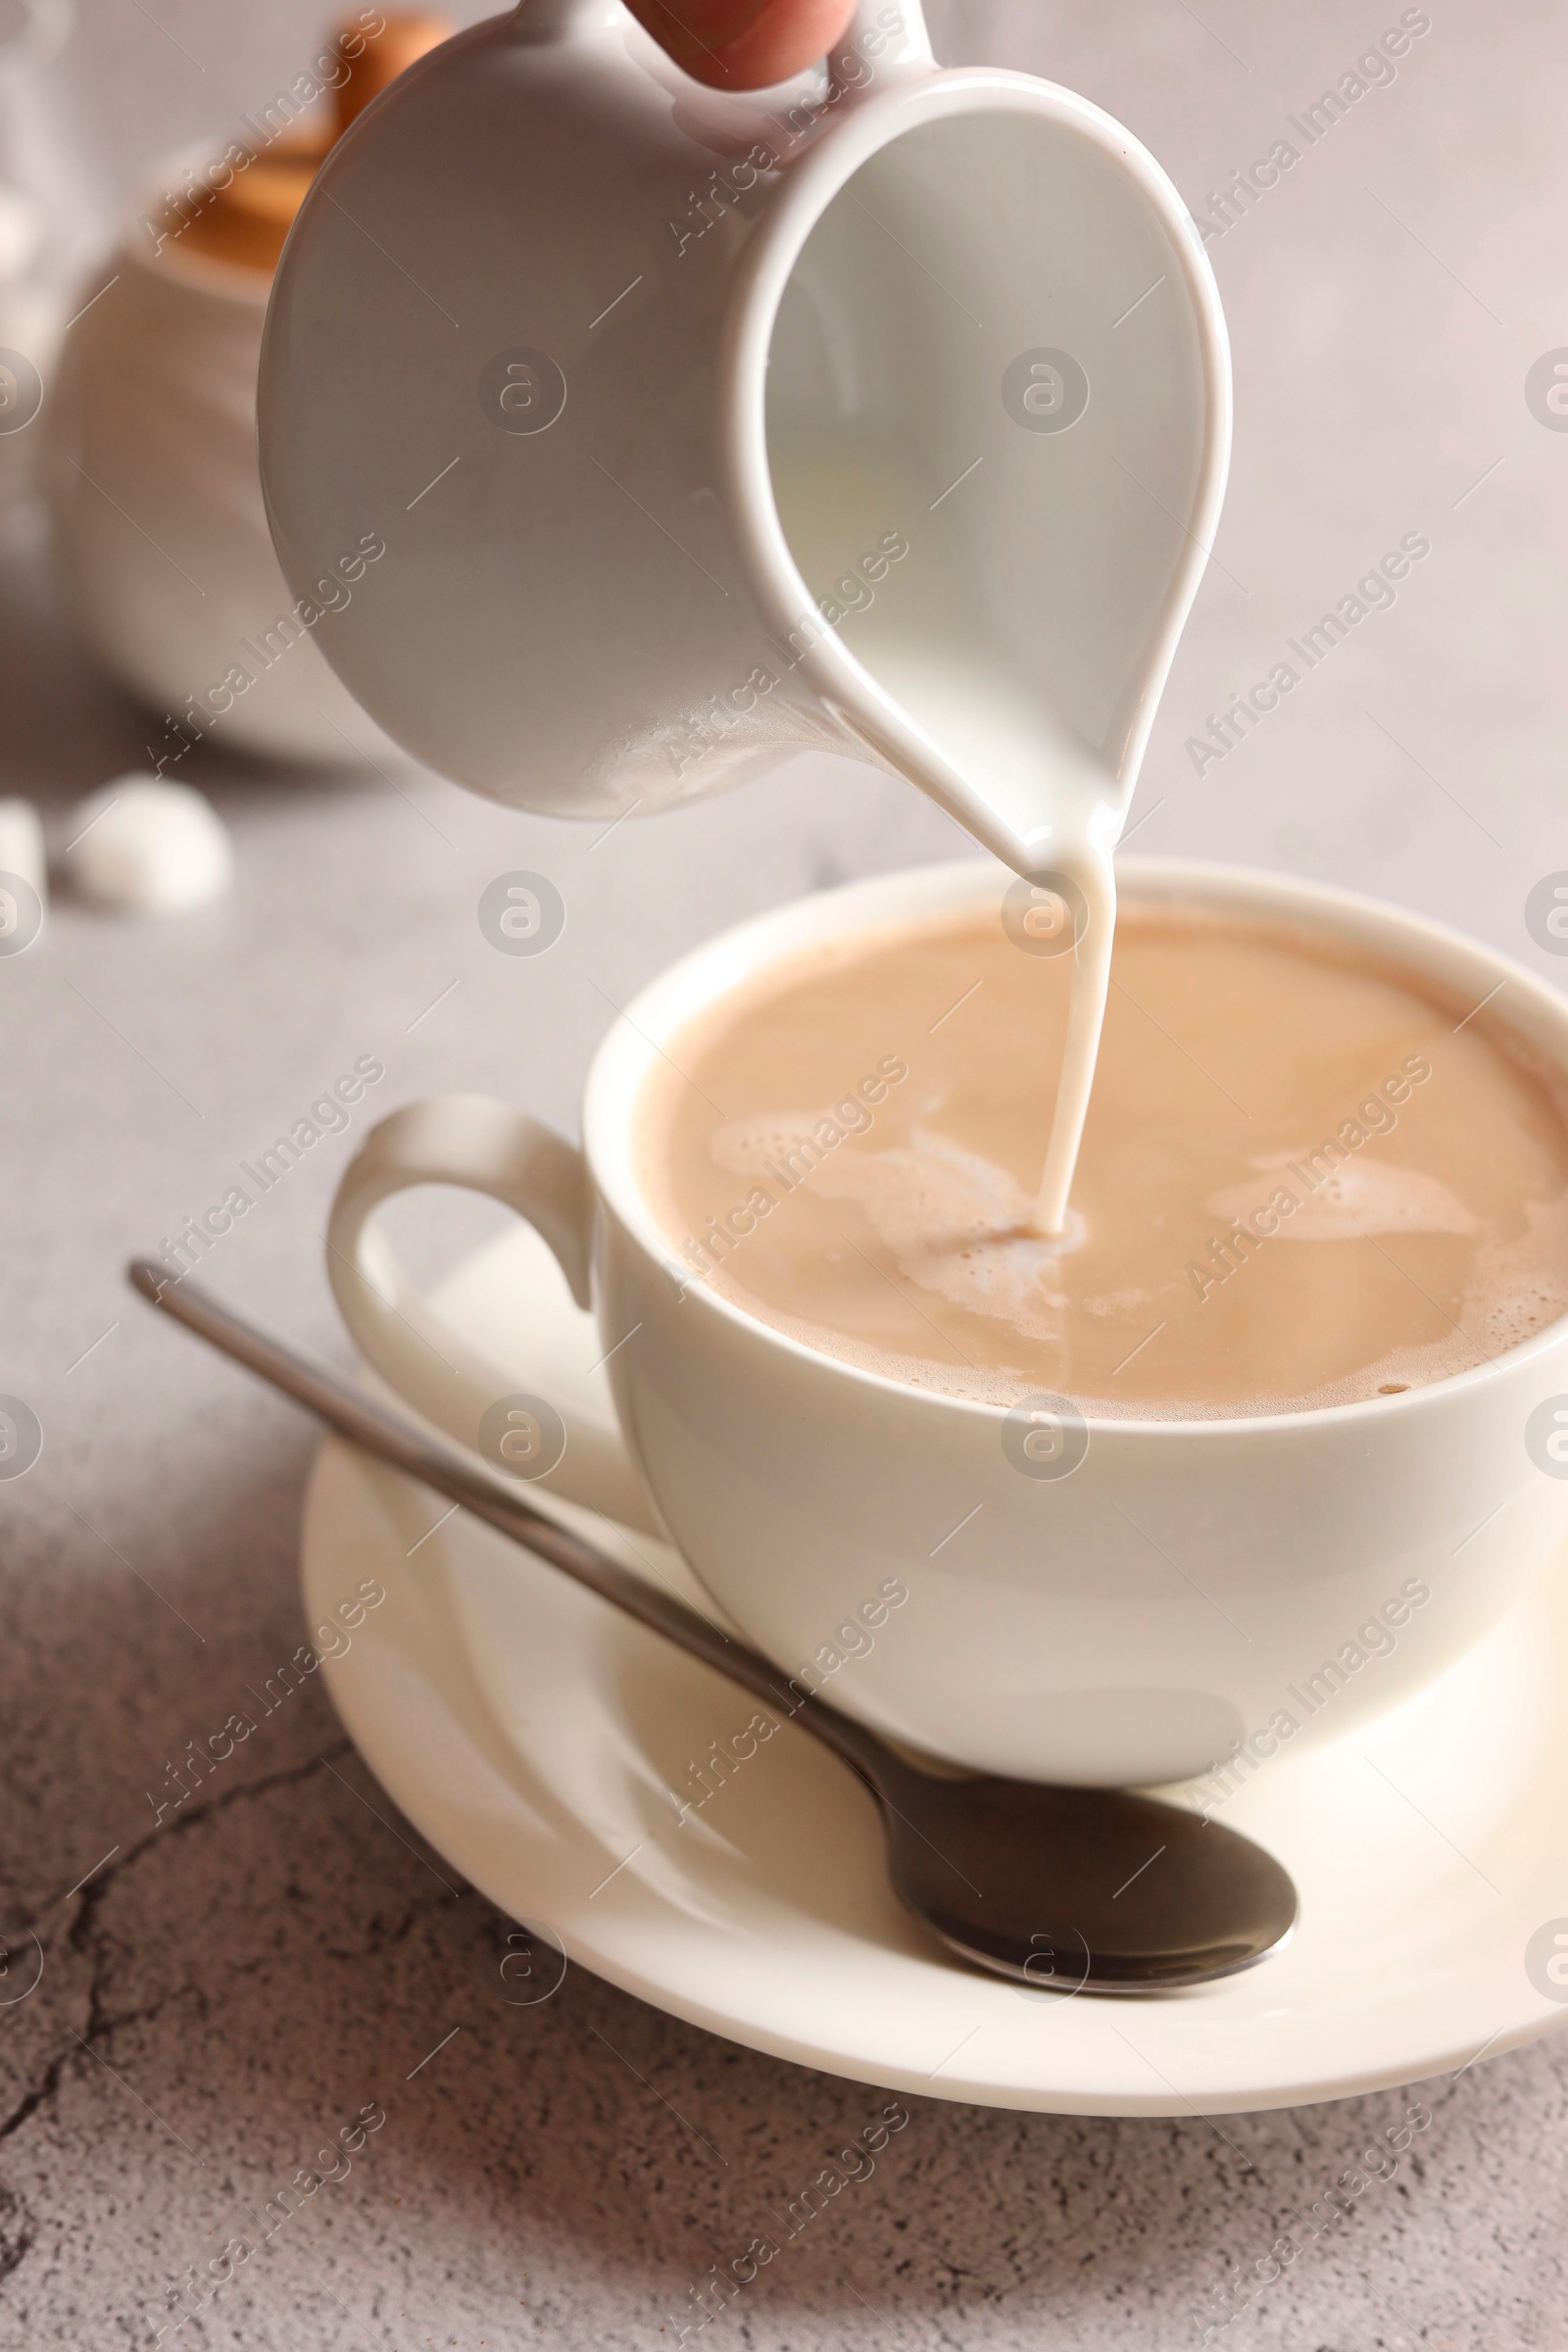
224	1991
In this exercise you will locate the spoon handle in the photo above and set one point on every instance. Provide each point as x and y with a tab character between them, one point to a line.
372	1427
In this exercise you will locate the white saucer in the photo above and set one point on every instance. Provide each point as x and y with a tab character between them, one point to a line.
534	1737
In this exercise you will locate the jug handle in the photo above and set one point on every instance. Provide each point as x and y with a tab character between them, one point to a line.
868	33
547	21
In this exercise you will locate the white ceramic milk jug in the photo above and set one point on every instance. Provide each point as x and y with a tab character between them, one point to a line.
886	411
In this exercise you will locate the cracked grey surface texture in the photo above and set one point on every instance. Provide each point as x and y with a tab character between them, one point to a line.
230	1988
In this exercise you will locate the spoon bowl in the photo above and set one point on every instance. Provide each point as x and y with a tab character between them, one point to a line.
1081	1889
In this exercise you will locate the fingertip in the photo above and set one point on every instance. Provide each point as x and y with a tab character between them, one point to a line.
747	44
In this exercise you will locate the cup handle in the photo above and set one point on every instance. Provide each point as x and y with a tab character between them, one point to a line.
489	1147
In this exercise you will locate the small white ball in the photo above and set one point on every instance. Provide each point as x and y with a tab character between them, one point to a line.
149	848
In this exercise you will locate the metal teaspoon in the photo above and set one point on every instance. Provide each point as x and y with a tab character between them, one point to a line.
1066	1889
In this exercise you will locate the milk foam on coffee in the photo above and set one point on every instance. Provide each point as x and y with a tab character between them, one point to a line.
1306	1176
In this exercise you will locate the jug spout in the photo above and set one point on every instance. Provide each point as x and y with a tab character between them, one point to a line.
989	456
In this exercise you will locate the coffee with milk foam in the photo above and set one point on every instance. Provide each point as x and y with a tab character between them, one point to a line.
1306	1176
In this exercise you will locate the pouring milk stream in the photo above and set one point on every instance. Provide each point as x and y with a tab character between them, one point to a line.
886	412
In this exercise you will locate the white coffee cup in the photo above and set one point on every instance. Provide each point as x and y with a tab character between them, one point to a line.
1120	1615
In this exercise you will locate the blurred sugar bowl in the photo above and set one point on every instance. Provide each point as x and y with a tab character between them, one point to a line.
150	436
